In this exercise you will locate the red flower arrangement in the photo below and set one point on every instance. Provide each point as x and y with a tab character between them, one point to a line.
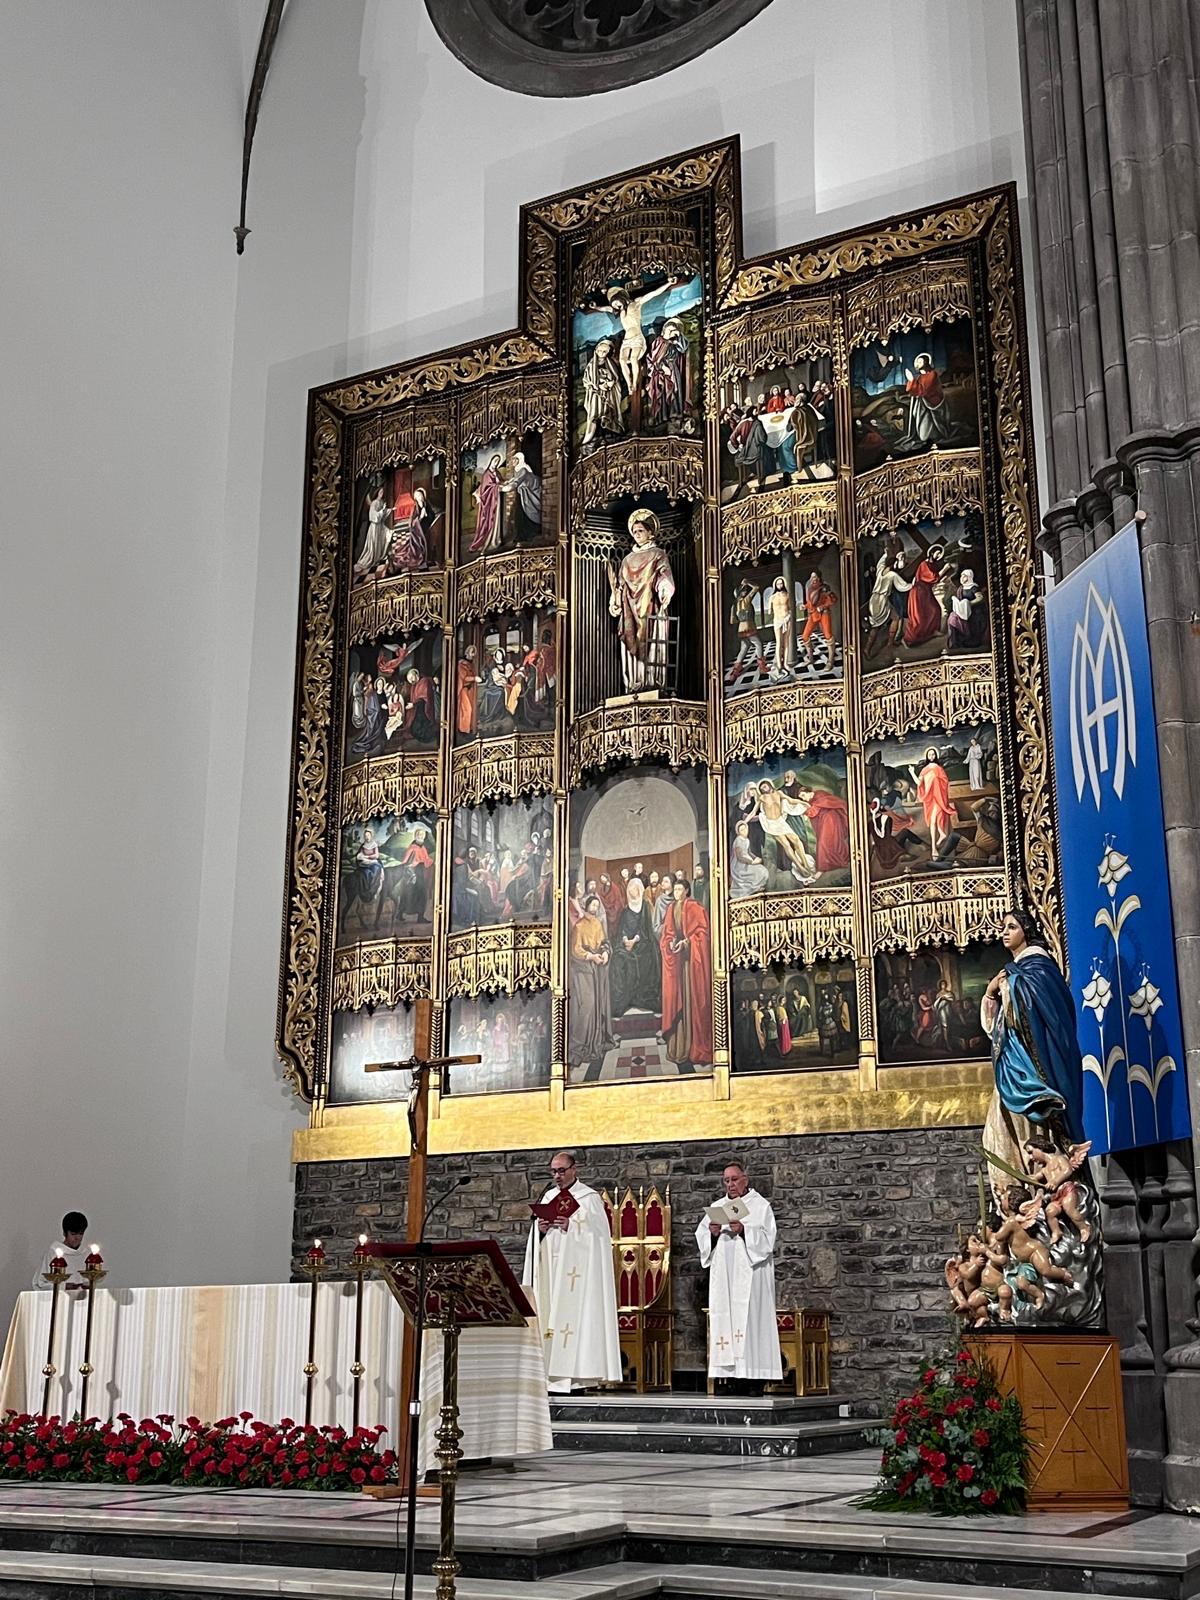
955	1446
236	1451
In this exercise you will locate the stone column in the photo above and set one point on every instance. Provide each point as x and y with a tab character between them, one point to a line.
1113	137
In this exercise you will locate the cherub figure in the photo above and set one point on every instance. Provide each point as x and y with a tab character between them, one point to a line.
977	1283
1020	1210
1052	1172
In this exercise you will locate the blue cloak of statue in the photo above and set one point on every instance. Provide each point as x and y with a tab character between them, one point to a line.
1035	1052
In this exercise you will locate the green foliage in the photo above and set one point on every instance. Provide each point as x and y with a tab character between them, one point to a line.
956	1446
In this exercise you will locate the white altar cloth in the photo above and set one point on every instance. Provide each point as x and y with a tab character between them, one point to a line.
216	1351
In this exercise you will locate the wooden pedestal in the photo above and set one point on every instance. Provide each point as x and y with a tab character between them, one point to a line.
1069	1386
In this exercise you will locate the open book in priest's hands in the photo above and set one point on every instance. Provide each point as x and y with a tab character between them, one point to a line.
727	1211
559	1209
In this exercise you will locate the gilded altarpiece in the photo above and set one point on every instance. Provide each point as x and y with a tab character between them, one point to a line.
670	691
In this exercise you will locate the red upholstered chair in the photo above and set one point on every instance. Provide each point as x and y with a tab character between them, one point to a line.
641	1235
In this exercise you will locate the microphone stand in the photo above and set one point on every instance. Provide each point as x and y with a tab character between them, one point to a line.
424	1253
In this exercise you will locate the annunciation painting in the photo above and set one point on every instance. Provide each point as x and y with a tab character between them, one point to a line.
671	708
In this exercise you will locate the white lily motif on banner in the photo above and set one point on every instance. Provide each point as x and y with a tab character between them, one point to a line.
1145	1000
1142	1004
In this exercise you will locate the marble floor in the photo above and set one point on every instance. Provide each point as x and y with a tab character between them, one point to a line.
592	1527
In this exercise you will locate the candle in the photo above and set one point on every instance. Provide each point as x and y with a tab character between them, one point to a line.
95	1259
317	1252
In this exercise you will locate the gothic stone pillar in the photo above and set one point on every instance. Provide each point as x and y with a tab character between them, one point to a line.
1113	138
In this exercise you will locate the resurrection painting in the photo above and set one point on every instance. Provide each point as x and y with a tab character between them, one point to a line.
794	1017
924	591
394	704
783	620
512	1034
501	501
927	1003
506	675
400	520
385	887
933	802
637	360
503	863
789	824
914	392
777	428
640	939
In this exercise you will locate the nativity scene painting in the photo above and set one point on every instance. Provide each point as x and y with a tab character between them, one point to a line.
512	1034
777	428
637	360
503	864
506	675
786	1016
504	501
933	802
384	1033
789	824
927	1002
783	620
639	929
393	696
923	592
914	392
385	882
400	520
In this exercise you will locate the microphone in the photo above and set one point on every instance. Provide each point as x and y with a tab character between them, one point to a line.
463	1177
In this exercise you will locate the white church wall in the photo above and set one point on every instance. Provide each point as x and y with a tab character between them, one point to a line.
119	148
153	516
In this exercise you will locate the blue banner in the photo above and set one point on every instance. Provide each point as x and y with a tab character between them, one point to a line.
1116	889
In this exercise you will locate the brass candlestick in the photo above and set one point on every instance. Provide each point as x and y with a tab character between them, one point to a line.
312	1266
447	1566
360	1265
93	1271
56	1277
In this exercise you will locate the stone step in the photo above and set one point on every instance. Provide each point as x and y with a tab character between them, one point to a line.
735	1411
53	1576
777	1440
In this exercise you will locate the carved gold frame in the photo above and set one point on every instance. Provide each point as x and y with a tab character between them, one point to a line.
831	294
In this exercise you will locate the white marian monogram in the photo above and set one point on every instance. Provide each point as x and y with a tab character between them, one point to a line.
1092	706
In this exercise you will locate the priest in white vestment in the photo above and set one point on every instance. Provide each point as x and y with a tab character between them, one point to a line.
569	1271
743	1336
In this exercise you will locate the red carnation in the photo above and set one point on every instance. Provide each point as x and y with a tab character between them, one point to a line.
982	1438
902	1436
156	1458
969	1383
938	1480
378	1474
929	1375
357	1475
964	1356
988	1497
994	1404
965	1473
133	1473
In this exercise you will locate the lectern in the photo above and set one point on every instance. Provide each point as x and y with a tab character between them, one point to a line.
448	1286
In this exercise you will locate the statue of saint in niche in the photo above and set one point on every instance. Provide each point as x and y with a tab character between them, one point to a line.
641	591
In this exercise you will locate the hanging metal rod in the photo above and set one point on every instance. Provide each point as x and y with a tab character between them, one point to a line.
262	61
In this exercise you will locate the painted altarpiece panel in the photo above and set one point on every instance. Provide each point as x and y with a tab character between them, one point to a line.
627	510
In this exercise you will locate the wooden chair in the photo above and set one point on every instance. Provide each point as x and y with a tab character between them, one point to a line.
641	1235
804	1346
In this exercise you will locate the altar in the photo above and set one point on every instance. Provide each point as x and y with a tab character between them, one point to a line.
216	1351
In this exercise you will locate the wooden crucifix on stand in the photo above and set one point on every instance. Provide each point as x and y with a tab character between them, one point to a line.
420	1064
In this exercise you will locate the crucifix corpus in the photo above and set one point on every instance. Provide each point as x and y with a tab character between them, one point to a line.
421	1064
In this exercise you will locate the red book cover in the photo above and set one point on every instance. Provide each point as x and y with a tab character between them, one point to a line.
561	1208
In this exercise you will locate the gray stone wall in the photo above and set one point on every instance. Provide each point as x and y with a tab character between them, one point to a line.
866	1221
